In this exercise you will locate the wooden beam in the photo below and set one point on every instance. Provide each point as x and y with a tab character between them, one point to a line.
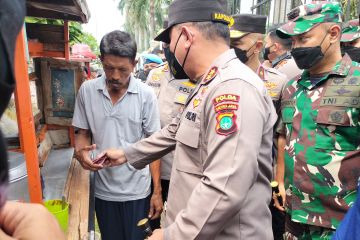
76	192
87	65
66	40
72	136
26	120
36	49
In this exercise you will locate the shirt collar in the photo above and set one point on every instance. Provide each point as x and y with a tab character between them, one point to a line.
277	60
341	69
133	84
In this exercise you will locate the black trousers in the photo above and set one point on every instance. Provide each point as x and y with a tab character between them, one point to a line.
155	224
118	220
278	222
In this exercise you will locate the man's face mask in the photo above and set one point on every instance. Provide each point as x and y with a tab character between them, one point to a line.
307	57
242	54
352	51
176	69
267	52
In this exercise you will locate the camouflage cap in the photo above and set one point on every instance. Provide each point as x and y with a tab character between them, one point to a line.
351	31
305	17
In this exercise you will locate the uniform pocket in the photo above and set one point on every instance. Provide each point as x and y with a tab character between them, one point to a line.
287	114
337	128
188	134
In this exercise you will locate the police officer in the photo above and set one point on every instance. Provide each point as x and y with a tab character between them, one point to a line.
277	52
219	186
350	39
247	34
320	120
172	88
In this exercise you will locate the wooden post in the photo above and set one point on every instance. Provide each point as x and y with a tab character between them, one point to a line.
72	136
26	120
66	40
87	65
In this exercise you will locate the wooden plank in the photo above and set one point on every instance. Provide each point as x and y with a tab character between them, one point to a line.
37	49
66	40
54	47
26	120
77	194
45	33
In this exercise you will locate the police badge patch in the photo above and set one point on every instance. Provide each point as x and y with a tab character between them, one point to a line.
225	106
226	123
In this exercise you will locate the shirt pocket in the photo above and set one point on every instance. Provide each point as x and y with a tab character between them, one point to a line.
337	128
128	128
188	136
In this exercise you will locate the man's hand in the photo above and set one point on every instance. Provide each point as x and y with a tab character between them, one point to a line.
115	157
282	195
23	221
158	234
83	156
156	205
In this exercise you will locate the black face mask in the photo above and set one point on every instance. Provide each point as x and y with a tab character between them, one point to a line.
267	52
242	54
176	69
307	57
353	52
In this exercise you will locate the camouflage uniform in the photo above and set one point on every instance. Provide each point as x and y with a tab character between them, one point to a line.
351	31
321	122
322	145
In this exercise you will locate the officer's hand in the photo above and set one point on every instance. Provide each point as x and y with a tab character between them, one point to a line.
158	234
24	221
156	205
83	156
282	195
115	157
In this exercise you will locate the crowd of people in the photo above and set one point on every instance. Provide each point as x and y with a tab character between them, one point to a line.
233	106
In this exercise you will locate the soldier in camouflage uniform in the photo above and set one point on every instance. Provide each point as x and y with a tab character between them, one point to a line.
350	39
320	119
246	36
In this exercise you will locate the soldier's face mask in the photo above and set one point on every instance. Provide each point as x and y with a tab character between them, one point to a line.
352	51
307	57
242	54
176	69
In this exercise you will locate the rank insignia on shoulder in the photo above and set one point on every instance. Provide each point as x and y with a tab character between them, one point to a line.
261	73
210	75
